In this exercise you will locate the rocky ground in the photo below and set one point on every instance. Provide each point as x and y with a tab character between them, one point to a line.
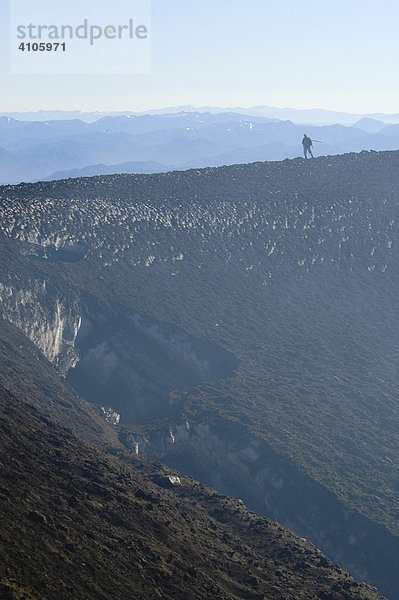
78	523
290	267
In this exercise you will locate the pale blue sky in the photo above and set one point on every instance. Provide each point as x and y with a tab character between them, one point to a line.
334	54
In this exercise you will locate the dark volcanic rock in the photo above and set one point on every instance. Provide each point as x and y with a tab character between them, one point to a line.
117	544
290	267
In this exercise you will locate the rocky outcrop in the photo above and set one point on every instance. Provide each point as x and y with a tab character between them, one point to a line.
50	321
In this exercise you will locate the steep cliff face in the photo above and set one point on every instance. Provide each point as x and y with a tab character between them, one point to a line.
229	458
50	321
116	358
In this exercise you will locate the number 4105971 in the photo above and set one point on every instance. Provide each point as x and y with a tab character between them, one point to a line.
42	47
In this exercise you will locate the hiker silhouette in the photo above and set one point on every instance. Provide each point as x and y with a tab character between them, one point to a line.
307	146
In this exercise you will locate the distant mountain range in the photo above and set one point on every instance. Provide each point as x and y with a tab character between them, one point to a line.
317	116
71	147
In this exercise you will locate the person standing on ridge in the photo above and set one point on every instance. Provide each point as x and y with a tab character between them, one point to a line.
307	146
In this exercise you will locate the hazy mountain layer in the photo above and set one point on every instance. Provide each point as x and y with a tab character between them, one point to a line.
316	116
34	150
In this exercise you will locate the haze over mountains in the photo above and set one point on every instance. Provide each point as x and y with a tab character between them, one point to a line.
242	323
156	142
317	116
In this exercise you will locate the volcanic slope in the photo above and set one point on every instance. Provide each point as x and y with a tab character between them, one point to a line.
272	288
77	522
